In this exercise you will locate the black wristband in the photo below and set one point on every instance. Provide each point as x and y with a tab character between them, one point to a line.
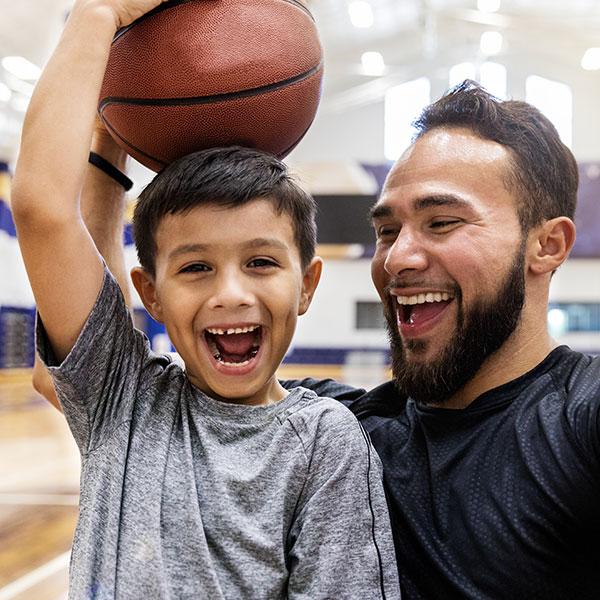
110	170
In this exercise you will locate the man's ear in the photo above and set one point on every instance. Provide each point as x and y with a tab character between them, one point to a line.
551	243
144	284
310	280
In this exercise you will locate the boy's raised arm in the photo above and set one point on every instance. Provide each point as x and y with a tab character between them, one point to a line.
62	262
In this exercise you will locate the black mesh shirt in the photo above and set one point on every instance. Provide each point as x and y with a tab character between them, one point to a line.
501	499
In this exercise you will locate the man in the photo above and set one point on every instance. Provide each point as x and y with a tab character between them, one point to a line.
489	433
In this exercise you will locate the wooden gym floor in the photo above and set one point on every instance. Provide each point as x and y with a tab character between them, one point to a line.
39	481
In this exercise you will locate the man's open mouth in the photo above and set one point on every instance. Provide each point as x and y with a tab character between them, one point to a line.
416	309
234	347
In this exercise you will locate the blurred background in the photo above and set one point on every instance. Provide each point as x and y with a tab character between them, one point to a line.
384	61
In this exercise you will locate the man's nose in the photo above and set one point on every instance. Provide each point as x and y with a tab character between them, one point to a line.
406	253
231	290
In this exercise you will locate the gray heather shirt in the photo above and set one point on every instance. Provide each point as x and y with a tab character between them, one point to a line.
183	496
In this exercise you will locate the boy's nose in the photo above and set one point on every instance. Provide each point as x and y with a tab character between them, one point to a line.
231	291
406	253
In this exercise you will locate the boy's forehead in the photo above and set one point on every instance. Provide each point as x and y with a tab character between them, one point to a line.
253	224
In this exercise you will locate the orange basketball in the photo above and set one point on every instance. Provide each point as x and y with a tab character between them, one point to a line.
196	74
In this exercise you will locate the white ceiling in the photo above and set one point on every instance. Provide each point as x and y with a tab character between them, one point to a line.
414	36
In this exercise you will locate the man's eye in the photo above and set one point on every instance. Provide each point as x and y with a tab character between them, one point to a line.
258	263
387	231
444	223
195	268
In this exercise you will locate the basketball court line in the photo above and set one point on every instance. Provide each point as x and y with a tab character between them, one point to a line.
35	577
39	499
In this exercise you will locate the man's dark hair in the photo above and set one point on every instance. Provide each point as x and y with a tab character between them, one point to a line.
227	177
543	171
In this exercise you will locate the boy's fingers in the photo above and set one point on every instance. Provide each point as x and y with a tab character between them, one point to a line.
128	11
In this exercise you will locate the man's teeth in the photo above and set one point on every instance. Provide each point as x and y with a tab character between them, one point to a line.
423	298
214	331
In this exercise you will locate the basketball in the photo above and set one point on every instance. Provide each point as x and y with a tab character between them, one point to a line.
195	74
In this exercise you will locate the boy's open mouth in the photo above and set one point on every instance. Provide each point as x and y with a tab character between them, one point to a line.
234	347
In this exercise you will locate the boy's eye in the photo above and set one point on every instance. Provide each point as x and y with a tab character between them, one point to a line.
258	263
195	268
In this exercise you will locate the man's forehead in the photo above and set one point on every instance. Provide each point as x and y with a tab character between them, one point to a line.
450	155
447	146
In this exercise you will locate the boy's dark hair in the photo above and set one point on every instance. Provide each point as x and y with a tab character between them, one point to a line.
543	171
227	177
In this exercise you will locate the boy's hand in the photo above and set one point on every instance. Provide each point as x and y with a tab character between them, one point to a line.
123	11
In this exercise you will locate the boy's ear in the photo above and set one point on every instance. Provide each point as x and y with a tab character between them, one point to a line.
310	280
550	244
144	284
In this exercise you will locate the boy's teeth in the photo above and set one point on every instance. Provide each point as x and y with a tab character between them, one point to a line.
423	298
218	357
231	331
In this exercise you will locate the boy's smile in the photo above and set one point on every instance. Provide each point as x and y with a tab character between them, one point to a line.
229	287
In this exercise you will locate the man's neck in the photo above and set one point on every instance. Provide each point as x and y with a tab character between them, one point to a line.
518	355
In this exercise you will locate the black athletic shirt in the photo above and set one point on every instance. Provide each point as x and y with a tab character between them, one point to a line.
498	500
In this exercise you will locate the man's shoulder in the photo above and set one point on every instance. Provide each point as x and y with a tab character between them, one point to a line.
335	406
576	375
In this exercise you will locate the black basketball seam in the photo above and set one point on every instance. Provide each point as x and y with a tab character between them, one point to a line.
166	5
129	145
163	164
225	97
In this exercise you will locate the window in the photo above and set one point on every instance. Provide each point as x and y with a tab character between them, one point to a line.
403	104
555	100
576	317
458	73
491	75
369	315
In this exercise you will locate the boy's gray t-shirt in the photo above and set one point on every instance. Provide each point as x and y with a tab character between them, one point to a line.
183	496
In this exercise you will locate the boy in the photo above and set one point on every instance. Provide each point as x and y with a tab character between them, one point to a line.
213	482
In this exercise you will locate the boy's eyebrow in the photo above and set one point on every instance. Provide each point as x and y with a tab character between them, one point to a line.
383	210
262	242
187	249
254	243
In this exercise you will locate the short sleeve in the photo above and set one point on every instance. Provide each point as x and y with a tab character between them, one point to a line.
341	542
96	382
583	410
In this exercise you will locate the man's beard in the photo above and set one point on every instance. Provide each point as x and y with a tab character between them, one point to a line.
480	331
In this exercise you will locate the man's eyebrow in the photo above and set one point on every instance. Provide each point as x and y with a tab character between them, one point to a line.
440	200
379	211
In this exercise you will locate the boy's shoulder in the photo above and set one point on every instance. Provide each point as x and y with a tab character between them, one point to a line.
322	419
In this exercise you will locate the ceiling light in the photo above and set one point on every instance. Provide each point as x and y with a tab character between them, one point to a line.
490	43
20	67
372	64
488	5
591	59
361	13
5	93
